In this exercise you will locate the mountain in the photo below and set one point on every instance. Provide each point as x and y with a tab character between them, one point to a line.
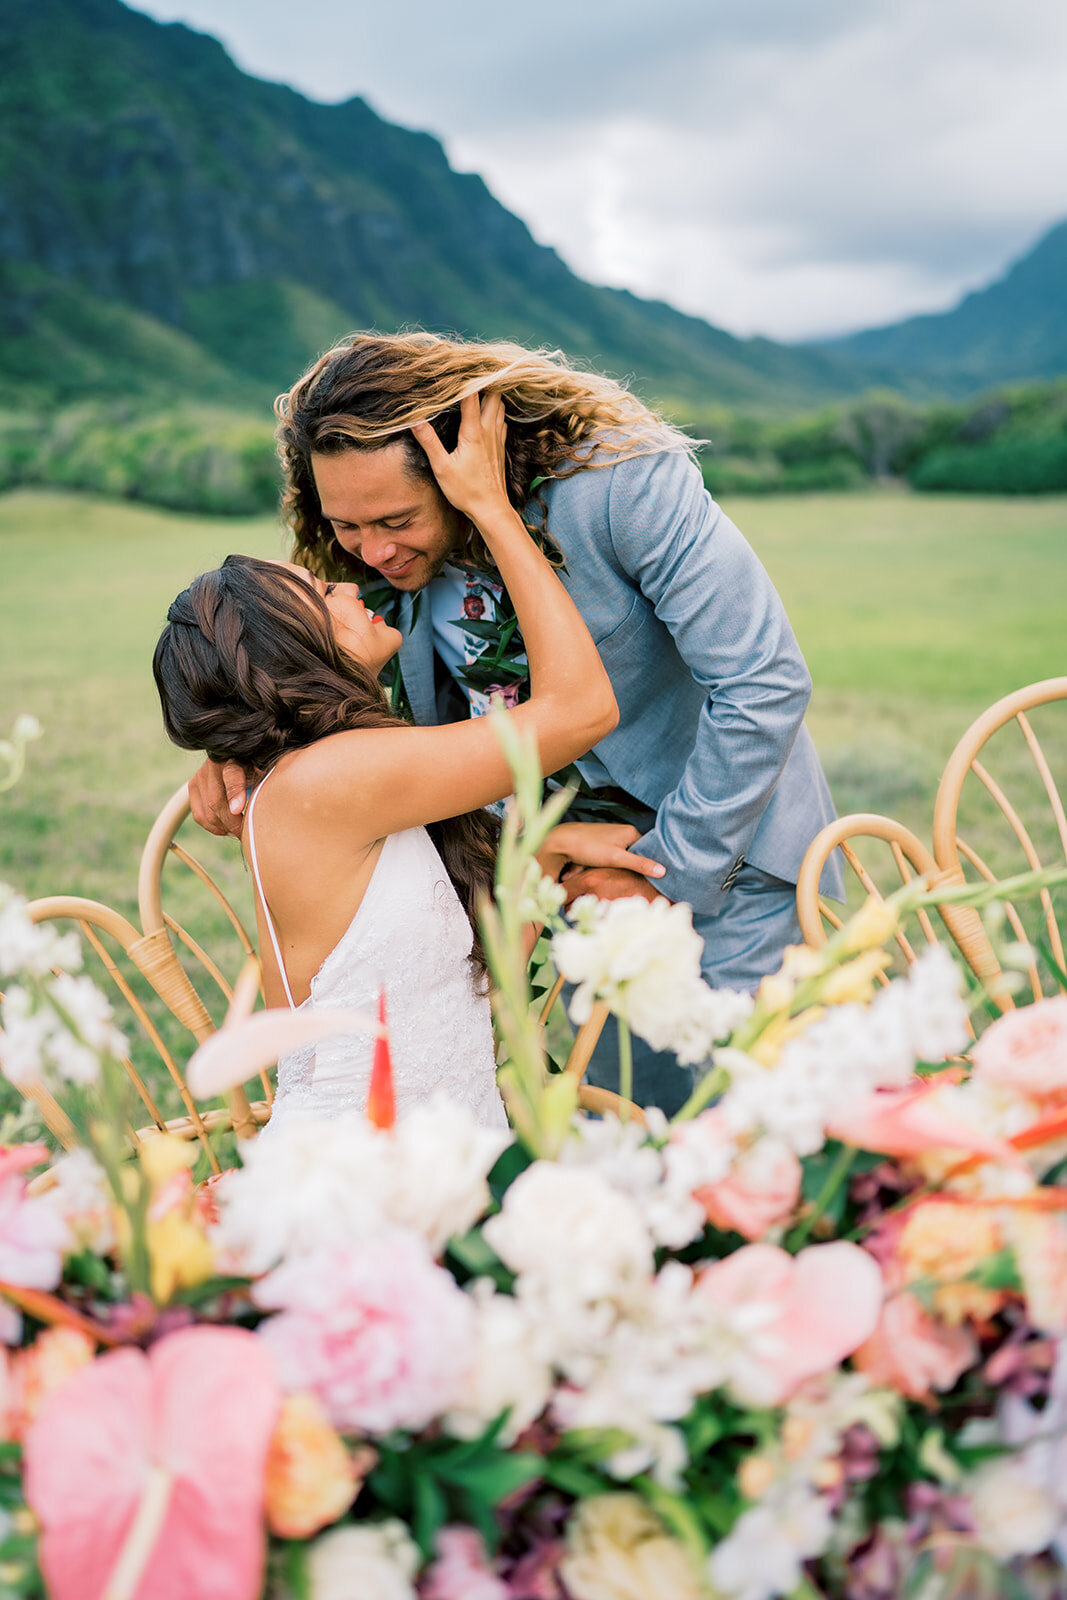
170	225
1014	329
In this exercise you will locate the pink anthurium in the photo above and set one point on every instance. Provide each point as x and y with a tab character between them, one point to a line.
146	1472
235	1054
381	1098
903	1122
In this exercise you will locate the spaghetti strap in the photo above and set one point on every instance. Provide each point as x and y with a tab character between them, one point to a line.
263	899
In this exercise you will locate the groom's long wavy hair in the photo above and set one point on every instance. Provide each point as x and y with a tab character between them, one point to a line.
248	668
367	393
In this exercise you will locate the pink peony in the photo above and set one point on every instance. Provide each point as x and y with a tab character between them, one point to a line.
156	1461
378	1331
33	1236
760	1190
461	1570
1026	1051
912	1352
803	1313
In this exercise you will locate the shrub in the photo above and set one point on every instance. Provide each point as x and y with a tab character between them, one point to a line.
1013	463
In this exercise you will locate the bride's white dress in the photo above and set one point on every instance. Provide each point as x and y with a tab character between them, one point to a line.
412	936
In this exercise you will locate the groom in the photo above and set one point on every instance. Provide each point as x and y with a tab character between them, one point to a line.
710	759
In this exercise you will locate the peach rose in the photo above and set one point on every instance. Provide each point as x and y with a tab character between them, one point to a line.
761	1189
912	1352
36	1372
1026	1051
311	1478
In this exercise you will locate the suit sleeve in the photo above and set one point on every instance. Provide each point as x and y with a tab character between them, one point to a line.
710	591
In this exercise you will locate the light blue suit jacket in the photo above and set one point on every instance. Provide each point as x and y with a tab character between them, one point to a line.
710	681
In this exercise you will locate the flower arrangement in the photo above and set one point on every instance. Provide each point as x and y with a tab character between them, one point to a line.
808	1338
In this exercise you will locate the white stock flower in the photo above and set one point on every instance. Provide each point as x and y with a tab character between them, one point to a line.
642	959
510	1370
939	1016
83	1199
440	1162
36	1037
571	1238
374	1560
621	1152
763	1555
29	948
540	897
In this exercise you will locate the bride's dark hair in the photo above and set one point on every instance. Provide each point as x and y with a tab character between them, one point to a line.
247	668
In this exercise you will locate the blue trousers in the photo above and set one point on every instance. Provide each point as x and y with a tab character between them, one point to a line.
742	943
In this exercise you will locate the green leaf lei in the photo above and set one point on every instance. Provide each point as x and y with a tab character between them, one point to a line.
502	661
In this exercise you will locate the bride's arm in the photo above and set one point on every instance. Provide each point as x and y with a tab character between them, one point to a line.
383	780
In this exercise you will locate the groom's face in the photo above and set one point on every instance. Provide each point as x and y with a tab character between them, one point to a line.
393	520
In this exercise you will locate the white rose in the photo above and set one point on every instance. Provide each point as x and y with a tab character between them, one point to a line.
1013	1514
374	1561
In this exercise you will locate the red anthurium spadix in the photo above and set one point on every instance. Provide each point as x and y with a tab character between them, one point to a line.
146	1471
381	1101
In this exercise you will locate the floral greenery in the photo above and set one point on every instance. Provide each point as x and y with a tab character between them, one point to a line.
809	1338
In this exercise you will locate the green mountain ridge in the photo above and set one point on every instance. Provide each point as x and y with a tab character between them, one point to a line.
170	225
1014	330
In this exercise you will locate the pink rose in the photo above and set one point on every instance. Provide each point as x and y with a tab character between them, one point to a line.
378	1331
1026	1051
912	1352
461	1570
761	1189
799	1315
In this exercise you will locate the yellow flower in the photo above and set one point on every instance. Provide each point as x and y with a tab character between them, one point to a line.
312	1478
755	1476
873	924
163	1156
855	980
617	1549
179	1255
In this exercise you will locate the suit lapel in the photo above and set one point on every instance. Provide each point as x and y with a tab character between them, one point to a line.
416	658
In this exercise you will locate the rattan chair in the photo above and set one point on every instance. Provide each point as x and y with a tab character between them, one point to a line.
1020	834
590	1098
142	963
895	856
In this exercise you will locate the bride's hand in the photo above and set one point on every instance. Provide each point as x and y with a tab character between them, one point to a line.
595	844
472	476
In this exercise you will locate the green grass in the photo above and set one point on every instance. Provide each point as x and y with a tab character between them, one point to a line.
913	612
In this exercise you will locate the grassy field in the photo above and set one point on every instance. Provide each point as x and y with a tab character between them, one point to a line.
913	612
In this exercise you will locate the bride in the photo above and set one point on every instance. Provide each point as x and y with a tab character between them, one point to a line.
365	835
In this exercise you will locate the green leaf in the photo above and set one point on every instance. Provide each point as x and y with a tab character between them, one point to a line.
431	1511
573	1478
493	1480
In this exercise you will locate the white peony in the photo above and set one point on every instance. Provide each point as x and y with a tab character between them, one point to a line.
440	1162
311	1183
371	1560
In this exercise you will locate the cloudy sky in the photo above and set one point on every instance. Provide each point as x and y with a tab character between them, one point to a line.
787	167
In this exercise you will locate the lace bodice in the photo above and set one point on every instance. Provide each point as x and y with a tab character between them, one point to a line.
411	935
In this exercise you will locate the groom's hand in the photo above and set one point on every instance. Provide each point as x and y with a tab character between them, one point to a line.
217	797
607	883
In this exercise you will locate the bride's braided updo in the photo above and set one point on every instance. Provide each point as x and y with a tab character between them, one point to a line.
248	668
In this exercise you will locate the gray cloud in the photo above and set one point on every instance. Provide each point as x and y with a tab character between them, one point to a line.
783	166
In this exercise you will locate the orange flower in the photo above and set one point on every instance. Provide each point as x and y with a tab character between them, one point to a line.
55	1355
945	1242
311	1478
